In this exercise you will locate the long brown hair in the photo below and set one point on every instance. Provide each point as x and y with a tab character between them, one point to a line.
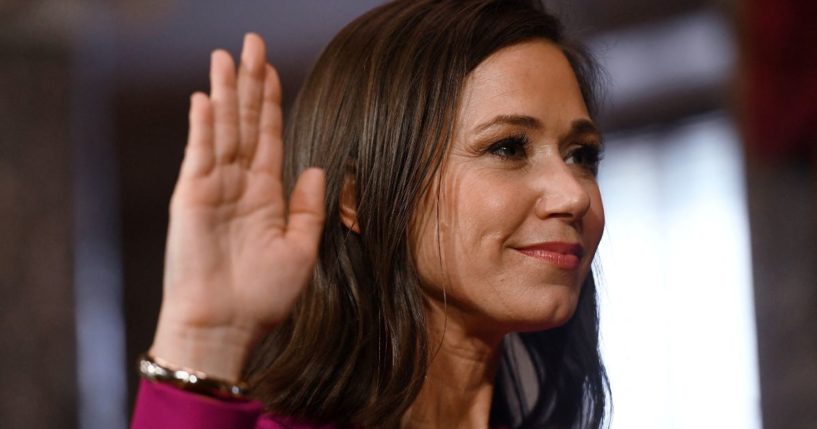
379	109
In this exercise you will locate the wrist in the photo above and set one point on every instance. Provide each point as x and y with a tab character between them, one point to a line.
155	369
219	351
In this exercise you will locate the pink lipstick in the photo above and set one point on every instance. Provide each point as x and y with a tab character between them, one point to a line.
566	256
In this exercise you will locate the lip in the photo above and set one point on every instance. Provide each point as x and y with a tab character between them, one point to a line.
563	255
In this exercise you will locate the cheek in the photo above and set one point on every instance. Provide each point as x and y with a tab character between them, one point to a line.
478	212
594	219
461	234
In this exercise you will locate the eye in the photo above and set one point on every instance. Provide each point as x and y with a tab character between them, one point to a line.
587	156
511	148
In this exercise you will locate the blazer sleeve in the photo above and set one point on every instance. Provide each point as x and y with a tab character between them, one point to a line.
161	406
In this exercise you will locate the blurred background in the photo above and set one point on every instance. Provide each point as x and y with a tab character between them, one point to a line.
708	266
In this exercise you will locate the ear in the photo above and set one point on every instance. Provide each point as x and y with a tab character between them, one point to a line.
348	202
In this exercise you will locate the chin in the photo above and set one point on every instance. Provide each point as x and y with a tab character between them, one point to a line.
550	311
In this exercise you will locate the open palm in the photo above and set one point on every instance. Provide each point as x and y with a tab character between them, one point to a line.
237	257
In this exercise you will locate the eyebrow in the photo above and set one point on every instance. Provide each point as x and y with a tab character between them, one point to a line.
517	120
578	128
582	127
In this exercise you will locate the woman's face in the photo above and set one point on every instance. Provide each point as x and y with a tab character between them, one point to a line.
519	214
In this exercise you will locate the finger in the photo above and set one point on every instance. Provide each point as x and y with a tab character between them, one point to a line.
225	106
250	93
306	211
199	157
270	152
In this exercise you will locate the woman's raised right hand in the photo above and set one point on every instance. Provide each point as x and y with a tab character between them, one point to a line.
237	257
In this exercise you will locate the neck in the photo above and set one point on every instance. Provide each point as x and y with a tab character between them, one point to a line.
459	384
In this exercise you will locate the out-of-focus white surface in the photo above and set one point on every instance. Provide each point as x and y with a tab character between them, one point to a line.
677	314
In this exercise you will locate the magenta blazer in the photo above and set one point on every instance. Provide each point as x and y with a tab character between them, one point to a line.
160	406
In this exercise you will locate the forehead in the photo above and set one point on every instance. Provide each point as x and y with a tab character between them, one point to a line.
532	78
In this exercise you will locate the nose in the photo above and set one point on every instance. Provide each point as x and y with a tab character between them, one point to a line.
561	193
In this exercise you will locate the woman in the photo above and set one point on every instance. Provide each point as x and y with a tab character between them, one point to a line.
433	271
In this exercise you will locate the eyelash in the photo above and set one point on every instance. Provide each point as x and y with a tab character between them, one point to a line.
589	154
518	142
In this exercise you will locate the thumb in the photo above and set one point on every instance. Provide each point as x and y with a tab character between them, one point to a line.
306	210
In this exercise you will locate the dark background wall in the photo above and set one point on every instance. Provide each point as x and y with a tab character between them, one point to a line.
37	352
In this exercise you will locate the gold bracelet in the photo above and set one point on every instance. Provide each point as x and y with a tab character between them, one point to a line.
190	380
